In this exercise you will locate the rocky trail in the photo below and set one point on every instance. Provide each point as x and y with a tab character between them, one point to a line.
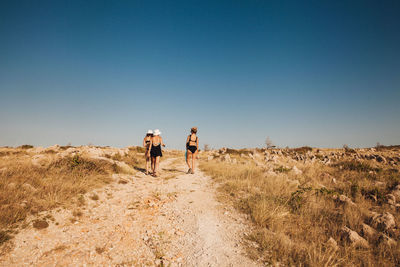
139	220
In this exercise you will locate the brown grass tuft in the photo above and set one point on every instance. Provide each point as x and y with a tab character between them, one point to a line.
94	197
4	237
100	250
40	224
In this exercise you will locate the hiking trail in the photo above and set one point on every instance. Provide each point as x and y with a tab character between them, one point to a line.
140	220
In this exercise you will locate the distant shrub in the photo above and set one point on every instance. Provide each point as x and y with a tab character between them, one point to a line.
380	147
348	149
303	149
232	151
65	147
25	146
356	166
138	149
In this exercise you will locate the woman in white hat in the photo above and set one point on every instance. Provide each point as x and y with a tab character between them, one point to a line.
146	144
155	150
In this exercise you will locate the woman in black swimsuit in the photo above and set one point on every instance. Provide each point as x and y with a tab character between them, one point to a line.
146	144
155	151
192	146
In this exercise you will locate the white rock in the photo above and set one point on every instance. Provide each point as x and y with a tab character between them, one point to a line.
332	243
294	183
368	232
29	188
396	193
354	238
391	199
384	221
346	200
39	160
271	173
11	186
226	158
384	239
296	170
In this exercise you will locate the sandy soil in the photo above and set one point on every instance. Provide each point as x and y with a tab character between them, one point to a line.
172	220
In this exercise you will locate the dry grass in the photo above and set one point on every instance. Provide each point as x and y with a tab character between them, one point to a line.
100	250
94	197
28	189
295	215
4	237
135	158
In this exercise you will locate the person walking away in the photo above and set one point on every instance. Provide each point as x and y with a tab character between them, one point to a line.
146	144
192	148
155	151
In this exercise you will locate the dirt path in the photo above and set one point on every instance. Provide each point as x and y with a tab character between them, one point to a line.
139	220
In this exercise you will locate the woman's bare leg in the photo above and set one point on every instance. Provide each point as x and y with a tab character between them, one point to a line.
147	165
187	159
193	161
153	164
157	162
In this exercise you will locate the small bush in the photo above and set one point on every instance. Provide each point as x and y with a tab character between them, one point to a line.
4	236
374	194
302	150
65	147
282	169
25	146
40	224
137	149
94	197
356	166
77	213
100	250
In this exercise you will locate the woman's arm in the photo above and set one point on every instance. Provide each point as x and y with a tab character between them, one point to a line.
162	142
144	142
197	143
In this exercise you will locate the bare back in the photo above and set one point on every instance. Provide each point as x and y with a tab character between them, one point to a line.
156	140
192	140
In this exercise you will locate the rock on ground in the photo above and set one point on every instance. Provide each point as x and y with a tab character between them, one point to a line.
354	238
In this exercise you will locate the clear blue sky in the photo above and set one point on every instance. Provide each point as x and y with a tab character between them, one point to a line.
318	73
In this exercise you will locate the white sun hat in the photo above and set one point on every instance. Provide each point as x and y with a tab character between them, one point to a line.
150	132
157	132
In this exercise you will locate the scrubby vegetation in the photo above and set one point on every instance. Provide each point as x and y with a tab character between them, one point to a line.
303	218
32	181
27	189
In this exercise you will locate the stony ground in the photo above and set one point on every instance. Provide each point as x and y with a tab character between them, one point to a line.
139	220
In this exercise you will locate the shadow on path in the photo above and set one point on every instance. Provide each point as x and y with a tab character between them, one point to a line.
172	170
140	169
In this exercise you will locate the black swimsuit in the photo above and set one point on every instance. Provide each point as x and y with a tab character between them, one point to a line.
156	151
189	147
